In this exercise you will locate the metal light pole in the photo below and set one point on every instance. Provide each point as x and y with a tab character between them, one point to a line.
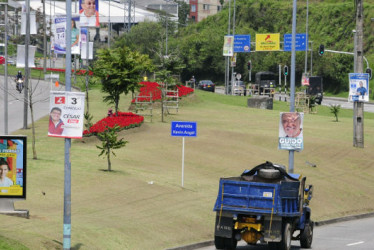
227	71
232	67
67	163
292	94
306	37
6	69
27	72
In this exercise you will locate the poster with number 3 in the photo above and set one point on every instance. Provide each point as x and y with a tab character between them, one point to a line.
66	114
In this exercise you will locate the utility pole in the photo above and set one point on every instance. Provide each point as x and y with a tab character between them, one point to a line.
44	40
358	107
27	71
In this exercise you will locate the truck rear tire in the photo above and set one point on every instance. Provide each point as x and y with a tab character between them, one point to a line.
285	243
219	242
306	236
225	243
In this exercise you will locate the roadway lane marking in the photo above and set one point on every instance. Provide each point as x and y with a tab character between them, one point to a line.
356	243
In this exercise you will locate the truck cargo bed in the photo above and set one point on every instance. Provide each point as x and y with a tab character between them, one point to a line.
237	195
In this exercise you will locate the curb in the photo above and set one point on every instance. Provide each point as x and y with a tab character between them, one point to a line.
317	223
194	246
348	218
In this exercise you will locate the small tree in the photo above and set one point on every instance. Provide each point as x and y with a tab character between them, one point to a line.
110	142
120	72
335	110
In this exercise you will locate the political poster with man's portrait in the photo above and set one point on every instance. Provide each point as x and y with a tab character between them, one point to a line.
291	131
358	87
66	115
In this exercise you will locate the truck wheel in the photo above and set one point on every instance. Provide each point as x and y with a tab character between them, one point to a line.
219	242
269	173
285	244
306	236
230	243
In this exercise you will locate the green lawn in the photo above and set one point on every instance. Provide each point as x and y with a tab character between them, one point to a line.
122	210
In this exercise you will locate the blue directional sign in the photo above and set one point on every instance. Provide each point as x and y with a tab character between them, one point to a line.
184	129
242	43
300	42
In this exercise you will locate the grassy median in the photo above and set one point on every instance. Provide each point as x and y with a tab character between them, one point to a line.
141	204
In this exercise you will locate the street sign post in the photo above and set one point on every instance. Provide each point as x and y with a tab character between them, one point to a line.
300	44
184	129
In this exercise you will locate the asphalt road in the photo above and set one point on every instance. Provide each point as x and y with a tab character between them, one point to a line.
353	235
327	101
40	99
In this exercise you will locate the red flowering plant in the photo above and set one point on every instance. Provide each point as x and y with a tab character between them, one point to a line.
124	120
153	89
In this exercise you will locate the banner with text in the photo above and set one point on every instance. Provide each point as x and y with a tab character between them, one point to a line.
66	114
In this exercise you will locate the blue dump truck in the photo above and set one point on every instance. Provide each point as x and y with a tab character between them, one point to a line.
266	205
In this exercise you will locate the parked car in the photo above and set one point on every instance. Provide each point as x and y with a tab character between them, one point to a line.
207	85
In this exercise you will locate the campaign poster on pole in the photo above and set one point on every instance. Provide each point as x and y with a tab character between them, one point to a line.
291	131
358	87
228	46
13	159
66	115
89	13
60	35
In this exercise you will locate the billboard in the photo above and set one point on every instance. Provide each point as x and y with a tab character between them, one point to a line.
66	115
291	131
13	166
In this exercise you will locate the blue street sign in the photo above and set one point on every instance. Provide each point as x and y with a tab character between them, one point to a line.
242	43
300	42
185	129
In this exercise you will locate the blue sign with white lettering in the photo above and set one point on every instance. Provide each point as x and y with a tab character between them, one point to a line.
184	129
242	43
300	42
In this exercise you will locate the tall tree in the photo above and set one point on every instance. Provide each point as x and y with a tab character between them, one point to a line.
120	71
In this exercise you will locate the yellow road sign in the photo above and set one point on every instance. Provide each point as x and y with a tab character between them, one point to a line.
267	42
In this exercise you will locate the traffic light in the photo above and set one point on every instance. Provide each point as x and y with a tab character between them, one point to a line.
321	50
285	70
368	70
249	65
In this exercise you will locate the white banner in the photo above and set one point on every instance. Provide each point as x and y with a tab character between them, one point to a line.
59	40
21	56
32	21
291	131
84	50
66	114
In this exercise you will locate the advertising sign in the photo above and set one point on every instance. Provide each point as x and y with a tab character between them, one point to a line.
291	131
60	35
358	87
242	43
13	166
267	42
228	46
185	129
300	42
305	80
66	114
89	13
